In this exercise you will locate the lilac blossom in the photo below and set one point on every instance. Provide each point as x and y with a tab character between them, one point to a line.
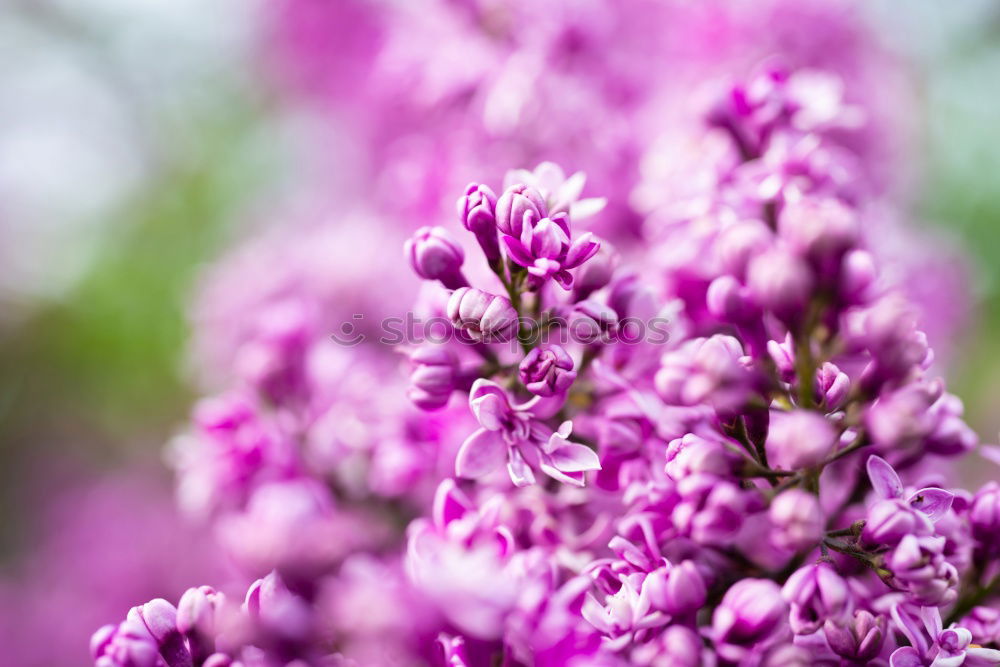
513	434
727	519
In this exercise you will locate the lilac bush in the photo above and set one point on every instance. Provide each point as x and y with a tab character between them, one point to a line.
770	484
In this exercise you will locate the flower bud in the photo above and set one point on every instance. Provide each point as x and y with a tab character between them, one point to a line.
692	454
477	213
752	614
740	242
218	660
788	655
676	646
858	640
984	515
799	439
128	644
593	322
890	520
435	255
821	229
519	205
797	521
434	375
196	618
484	316
832	386
596	273
919	567
160	618
780	282
547	370
815	593
677	589
984	624
728	300
857	275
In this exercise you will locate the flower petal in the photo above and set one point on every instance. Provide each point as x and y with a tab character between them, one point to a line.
517	251
585	208
906	656
574	457
450	503
884	479
481	453
519	470
582	249
932	501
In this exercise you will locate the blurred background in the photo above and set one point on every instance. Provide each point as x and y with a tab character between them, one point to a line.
139	139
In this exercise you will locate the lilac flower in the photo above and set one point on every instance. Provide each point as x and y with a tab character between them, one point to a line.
859	639
832	386
693	454
519	206
484	316
129	644
544	247
596	273
593	322
477	213
560	194
513	434
728	455
984	624
797	520
676	589
932	644
435	255
547	370
625	615
197	612
919	567
984	515
434	377
705	370
462	558
920	415
799	439
816	594
677	646
890	518
887	330
751	618
781	282
711	510
452	651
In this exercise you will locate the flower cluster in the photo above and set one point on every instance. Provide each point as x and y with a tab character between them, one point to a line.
766	487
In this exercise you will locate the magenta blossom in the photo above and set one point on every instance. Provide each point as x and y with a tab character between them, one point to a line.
514	434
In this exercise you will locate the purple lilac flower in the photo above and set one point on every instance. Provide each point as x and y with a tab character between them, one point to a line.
540	240
859	638
547	371
931	643
434	376
435	255
816	594
513	434
751	618
482	315
728	522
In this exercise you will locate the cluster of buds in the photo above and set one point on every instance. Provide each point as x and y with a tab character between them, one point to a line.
751	491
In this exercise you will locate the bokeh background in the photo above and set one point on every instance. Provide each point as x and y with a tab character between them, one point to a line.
139	139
